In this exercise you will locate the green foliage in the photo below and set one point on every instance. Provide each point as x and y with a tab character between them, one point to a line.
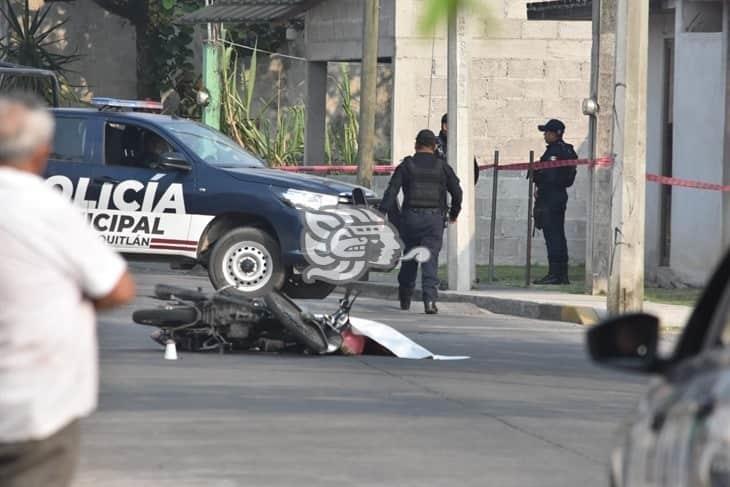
168	64
31	41
438	11
279	142
343	137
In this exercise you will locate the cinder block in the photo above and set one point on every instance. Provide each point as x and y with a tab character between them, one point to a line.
539	88
569	50
500	29
575	30
557	69
515	48
562	108
526	68
505	88
574	89
515	9
488	68
539	30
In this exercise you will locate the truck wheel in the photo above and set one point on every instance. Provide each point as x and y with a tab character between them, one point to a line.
248	260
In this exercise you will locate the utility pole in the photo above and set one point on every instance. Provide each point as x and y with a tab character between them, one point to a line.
726	154
603	65
626	282
368	92
461	235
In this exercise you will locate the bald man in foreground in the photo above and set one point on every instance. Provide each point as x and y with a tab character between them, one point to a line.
55	272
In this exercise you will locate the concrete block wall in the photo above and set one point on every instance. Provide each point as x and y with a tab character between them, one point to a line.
522	73
107	44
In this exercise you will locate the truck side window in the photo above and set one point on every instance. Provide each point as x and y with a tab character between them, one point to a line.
129	145
69	140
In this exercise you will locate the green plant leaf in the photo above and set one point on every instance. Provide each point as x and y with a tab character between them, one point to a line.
168	4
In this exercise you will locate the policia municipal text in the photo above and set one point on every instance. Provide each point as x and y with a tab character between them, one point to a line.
425	180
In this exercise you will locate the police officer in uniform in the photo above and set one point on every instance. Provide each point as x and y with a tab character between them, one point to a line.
551	201
442	145
425	180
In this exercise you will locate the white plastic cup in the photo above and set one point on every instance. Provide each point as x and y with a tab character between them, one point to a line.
170	350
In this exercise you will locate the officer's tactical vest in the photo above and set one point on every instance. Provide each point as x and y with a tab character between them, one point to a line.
426	183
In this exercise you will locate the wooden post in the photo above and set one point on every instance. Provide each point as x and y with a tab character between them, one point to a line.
528	242
493	221
626	282
368	93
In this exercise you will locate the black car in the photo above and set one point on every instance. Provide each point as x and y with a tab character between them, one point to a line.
680	432
161	186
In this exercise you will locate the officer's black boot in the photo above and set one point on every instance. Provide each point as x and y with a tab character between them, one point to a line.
550	277
430	307
404	295
563	273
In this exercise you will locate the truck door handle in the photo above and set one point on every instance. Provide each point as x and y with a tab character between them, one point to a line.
106	179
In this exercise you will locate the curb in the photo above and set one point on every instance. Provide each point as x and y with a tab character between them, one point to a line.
581	315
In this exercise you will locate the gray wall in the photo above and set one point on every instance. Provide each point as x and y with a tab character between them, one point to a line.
698	145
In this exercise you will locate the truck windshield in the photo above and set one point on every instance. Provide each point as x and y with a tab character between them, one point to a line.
213	147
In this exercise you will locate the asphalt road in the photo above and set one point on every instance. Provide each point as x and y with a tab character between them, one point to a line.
527	409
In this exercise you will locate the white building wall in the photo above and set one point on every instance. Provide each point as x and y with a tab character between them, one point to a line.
522	73
698	145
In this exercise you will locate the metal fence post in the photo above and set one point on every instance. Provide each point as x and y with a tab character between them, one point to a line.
493	222
528	252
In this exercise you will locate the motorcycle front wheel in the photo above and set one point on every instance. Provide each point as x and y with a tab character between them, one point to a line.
166	317
289	315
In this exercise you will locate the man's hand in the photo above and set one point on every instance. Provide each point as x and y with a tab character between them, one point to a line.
123	292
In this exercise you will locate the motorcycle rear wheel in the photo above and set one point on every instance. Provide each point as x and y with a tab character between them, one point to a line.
166	317
289	315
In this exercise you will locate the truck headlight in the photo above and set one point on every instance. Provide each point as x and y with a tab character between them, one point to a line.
307	200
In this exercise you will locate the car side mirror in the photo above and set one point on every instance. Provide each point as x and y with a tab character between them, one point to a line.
175	161
628	342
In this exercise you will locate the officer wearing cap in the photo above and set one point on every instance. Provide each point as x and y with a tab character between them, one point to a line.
425	179
551	201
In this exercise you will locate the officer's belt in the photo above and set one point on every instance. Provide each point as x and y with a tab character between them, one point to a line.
424	210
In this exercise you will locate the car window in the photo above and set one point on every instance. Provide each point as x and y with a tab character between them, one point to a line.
131	145
69	139
212	146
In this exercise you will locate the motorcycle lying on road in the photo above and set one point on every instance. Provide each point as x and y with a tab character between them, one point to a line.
223	321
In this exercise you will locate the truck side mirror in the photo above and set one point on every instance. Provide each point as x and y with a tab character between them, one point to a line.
174	161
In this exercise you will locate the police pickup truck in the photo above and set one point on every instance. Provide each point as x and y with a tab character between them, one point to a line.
156	185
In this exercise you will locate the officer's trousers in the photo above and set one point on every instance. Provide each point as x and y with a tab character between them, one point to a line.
554	231
421	227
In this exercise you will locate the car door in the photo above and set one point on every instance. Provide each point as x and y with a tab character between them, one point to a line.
74	156
681	430
141	206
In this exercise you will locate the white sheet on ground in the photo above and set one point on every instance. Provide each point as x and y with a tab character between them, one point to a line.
400	345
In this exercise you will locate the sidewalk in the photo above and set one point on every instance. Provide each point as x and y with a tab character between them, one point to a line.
530	303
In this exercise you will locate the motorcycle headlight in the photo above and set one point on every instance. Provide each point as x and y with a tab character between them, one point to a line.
307	200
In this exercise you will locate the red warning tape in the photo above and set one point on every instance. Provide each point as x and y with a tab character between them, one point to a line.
686	183
524	166
519	166
327	169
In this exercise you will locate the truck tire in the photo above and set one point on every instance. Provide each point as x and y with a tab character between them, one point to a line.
290	317
248	260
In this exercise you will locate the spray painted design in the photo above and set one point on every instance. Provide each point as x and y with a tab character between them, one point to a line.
342	244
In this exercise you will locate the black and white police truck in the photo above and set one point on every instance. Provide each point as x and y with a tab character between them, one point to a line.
171	188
